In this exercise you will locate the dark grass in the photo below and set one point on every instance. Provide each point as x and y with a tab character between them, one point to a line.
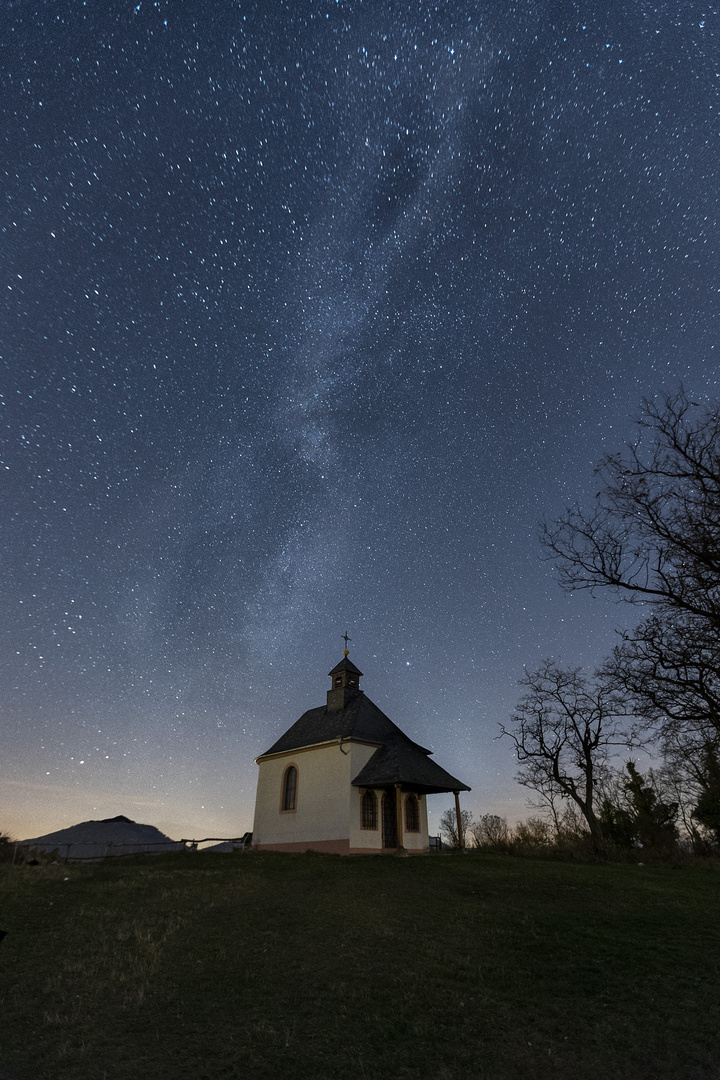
309	966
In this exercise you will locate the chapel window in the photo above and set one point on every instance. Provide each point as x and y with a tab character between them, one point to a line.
412	814
289	788
369	810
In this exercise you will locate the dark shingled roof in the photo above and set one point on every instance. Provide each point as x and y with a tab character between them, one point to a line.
345	665
398	760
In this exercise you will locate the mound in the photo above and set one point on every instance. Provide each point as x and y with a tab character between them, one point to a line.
95	839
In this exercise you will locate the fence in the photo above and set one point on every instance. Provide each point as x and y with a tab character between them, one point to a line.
87	851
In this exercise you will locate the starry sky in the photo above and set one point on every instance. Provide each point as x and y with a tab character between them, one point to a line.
310	313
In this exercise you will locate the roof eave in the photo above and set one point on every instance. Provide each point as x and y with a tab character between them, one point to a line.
409	785
343	739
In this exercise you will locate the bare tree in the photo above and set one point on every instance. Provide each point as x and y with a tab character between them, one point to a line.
670	669
676	784
568	823
572	825
670	666
448	827
550	801
653	537
564	731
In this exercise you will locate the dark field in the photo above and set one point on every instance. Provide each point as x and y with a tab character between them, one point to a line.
312	966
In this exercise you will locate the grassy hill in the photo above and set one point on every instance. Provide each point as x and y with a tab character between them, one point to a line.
259	965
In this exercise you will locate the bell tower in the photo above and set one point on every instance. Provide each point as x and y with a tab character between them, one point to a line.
345	681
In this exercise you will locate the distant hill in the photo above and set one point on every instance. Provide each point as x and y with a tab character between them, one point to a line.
111	836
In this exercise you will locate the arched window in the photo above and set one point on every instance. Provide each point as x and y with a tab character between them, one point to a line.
289	788
412	814
369	810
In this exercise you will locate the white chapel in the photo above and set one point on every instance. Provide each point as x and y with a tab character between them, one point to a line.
344	779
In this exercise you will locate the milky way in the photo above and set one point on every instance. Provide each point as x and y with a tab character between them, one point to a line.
310	313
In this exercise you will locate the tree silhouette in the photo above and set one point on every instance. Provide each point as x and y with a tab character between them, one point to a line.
653	538
565	729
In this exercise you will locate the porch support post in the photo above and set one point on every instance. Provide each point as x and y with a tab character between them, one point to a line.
398	814
458	816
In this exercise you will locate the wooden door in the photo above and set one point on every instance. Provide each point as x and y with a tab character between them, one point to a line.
389	820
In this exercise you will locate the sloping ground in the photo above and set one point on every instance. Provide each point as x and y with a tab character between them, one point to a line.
317	967
96	839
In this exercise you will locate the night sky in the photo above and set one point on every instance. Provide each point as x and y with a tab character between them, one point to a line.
310	313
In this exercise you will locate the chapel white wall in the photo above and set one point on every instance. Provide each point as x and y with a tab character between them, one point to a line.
417	841
326	800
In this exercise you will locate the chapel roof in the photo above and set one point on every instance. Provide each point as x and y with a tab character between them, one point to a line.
345	665
404	762
397	760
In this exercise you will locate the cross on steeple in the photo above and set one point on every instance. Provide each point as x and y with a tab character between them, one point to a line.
346	639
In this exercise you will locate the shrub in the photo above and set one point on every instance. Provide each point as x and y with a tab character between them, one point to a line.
532	834
491	833
7	848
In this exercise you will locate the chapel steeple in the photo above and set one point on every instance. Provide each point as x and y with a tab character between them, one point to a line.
345	681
